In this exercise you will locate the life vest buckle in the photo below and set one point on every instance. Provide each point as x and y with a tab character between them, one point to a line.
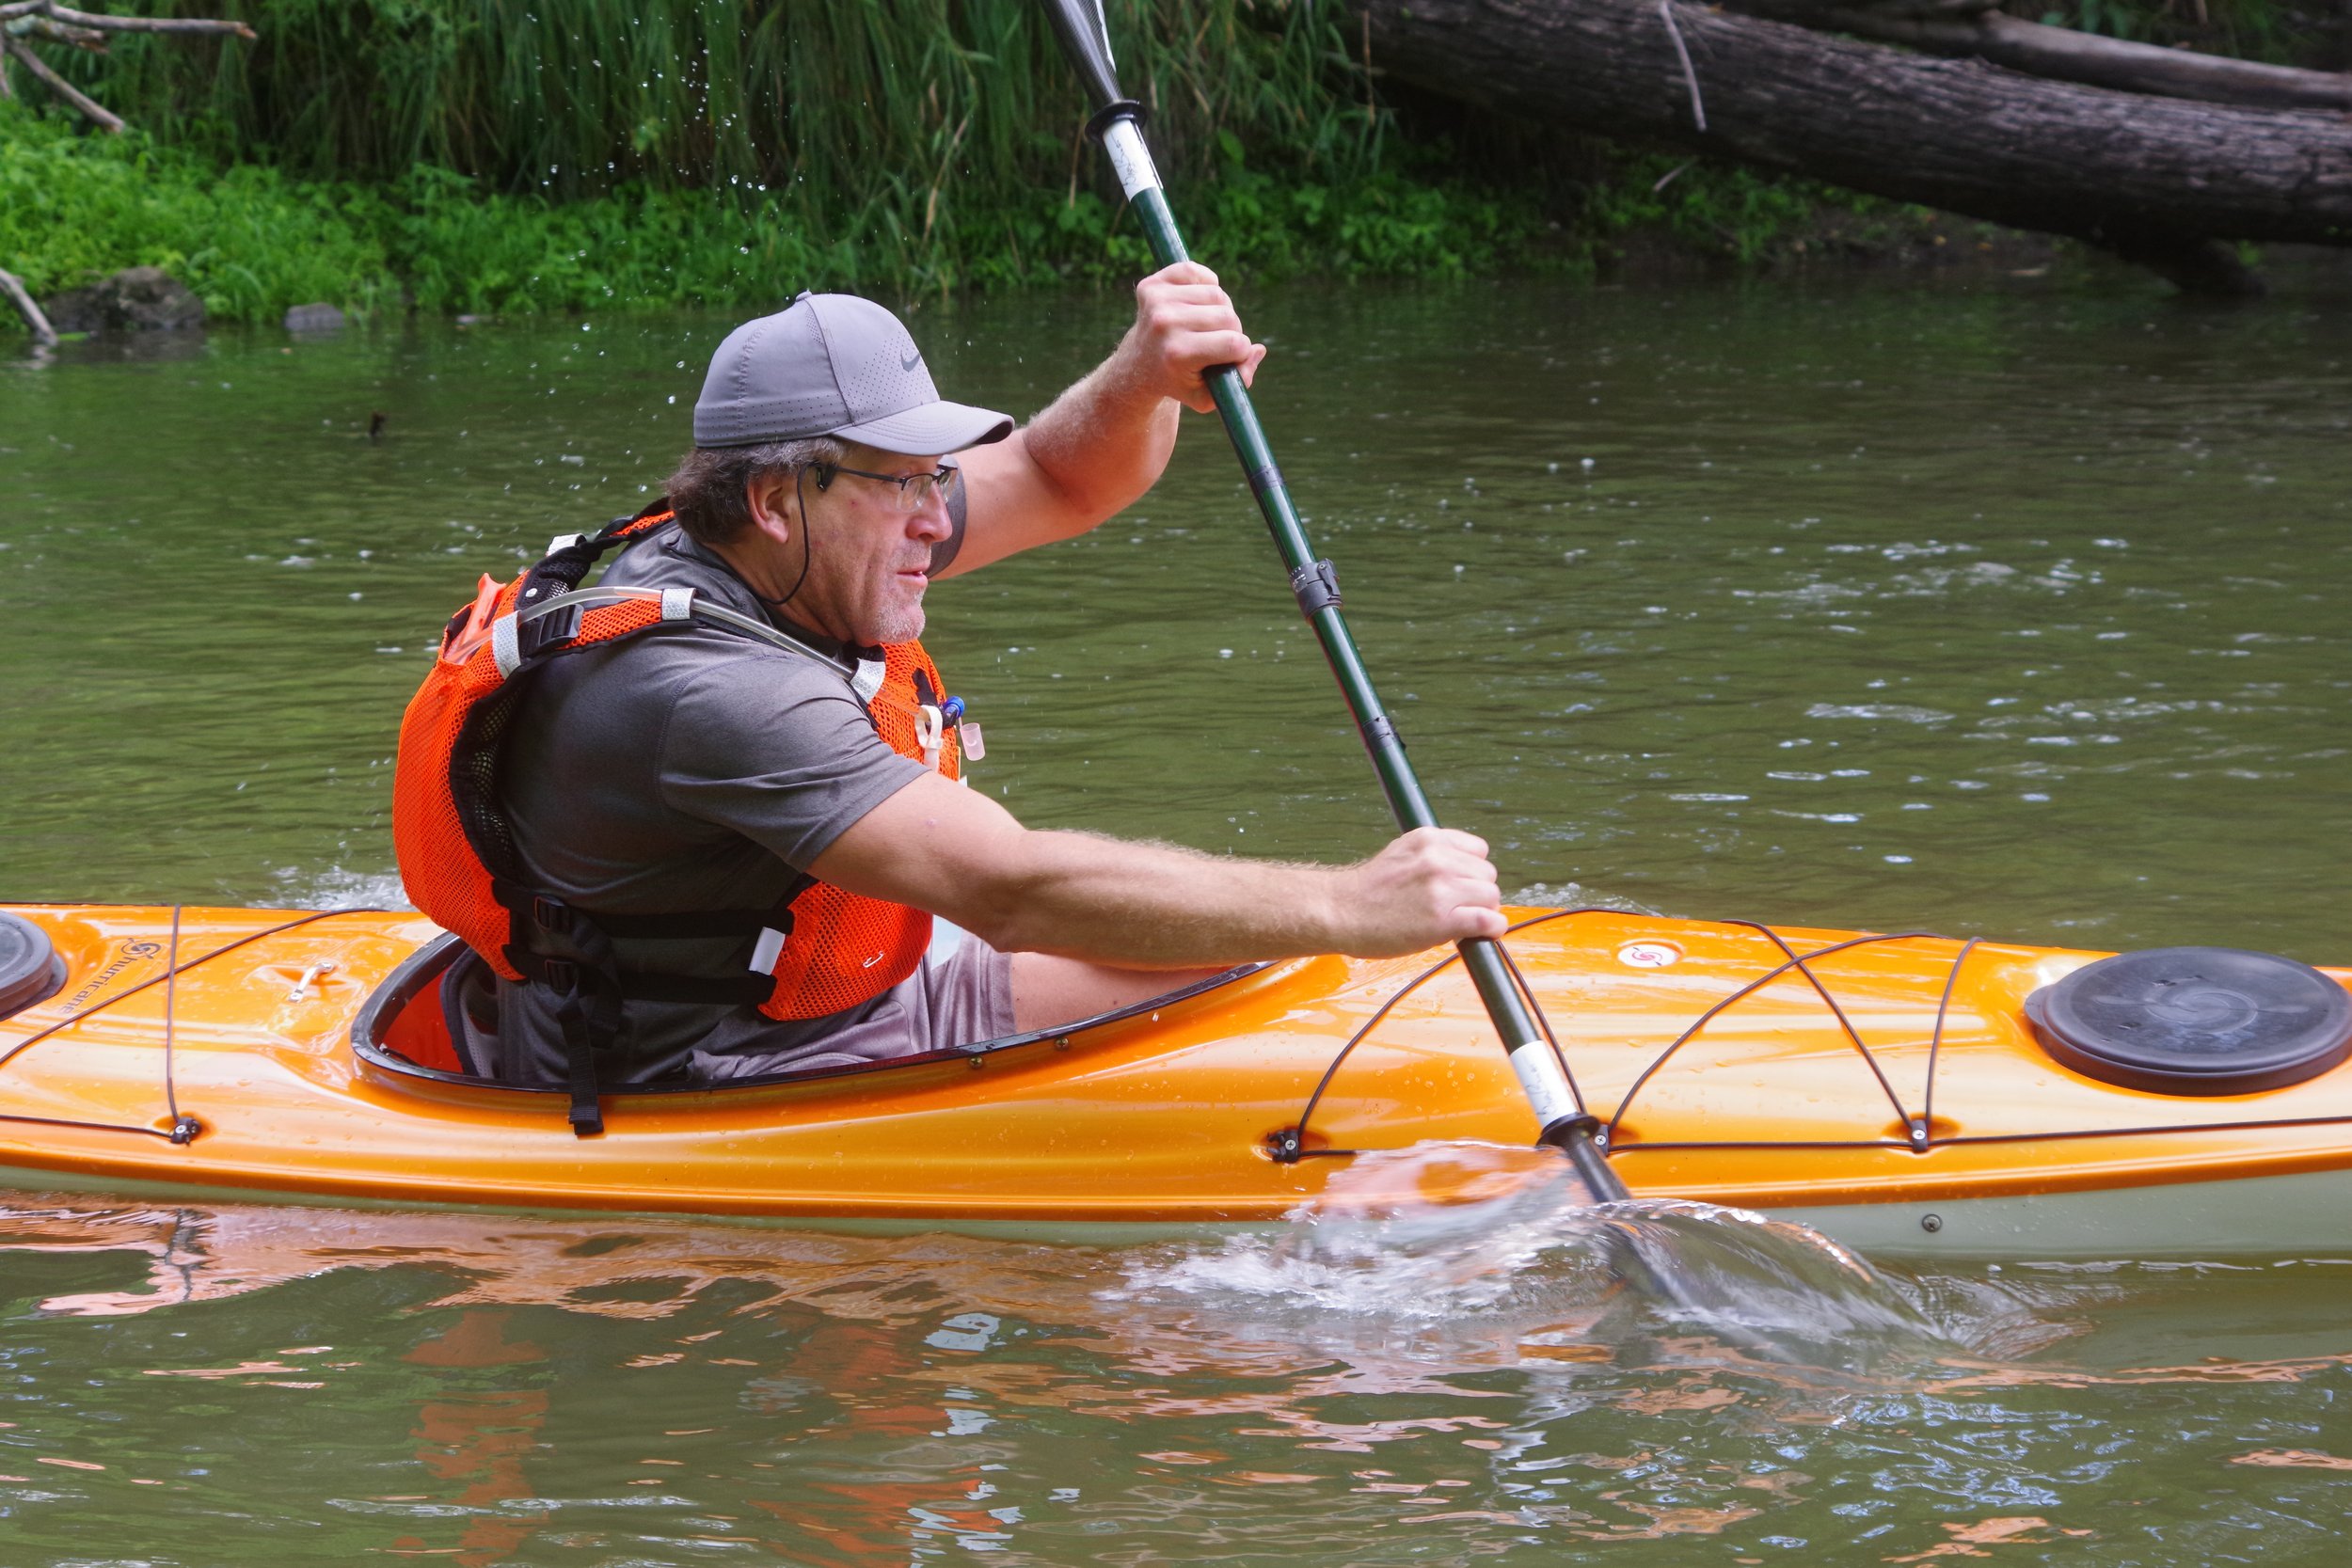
551	630
930	729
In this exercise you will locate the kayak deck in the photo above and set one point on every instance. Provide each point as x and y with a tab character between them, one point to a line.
1775	1070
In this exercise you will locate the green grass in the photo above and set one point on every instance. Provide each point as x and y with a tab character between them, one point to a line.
522	155
253	240
518	154
882	117
2273	30
1728	213
249	239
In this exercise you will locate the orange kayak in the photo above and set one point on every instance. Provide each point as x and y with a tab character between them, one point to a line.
1892	1090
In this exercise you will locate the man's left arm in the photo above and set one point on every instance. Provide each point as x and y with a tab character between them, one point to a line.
1102	443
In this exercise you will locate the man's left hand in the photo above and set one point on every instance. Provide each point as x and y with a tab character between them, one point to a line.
1185	325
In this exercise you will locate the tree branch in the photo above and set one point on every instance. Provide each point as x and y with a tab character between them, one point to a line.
105	119
44	335
57	32
2064	54
99	20
146	23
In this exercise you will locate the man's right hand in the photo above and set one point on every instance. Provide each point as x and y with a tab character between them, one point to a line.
1431	886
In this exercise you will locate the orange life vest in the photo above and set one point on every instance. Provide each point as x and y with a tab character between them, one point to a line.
821	950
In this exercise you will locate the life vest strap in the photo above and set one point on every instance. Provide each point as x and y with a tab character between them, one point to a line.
697	922
530	908
547	626
565	976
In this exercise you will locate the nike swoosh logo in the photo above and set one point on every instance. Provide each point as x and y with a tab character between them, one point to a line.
911	360
871	962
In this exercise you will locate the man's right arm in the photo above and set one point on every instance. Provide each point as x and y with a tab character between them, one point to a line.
957	853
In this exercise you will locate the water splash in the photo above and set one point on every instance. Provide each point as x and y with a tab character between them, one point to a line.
337	888
1479	1240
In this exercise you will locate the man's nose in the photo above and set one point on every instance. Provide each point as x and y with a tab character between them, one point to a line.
930	521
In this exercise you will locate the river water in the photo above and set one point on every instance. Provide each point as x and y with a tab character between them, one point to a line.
1990	608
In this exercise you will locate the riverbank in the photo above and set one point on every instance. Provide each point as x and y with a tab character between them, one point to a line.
501	158
253	240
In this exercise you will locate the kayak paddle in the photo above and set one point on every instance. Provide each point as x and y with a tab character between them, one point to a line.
1117	124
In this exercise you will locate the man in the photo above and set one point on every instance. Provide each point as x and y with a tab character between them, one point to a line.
702	771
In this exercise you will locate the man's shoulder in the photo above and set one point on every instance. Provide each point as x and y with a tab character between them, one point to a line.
666	558
702	664
716	667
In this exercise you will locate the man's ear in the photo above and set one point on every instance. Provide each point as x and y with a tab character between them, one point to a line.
774	501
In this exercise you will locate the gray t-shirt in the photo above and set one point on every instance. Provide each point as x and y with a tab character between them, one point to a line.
684	770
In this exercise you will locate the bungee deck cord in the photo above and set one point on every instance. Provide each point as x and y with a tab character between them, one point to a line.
182	1129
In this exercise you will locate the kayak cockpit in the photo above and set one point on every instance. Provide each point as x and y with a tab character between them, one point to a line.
410	1031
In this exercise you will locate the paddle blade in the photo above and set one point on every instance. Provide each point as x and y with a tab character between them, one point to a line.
1086	38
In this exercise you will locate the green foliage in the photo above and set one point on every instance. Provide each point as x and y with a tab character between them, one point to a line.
248	240
498	156
2280	32
501	155
884	119
1717	210
2115	18
253	241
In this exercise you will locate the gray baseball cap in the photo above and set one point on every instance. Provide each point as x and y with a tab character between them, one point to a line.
833	365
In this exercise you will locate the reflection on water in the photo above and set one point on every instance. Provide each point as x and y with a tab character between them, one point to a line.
1407	1388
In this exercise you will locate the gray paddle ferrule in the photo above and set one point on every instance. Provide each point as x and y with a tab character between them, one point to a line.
1316	585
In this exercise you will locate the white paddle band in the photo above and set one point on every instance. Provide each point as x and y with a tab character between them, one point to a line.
1546	1085
1130	159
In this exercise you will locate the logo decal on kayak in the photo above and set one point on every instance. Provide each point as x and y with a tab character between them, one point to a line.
1649	955
132	952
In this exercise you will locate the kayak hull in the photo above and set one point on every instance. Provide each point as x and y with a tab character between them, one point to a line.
1886	1083
2192	1221
2241	1216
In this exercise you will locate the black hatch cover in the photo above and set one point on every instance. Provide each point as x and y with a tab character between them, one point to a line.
29	966
2198	1021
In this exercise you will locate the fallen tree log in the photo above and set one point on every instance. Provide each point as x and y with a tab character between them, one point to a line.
1977	30
2156	180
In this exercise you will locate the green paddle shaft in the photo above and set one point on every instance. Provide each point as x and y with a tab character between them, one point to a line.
1564	1121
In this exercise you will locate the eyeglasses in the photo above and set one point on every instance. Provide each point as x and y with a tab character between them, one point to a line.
915	490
